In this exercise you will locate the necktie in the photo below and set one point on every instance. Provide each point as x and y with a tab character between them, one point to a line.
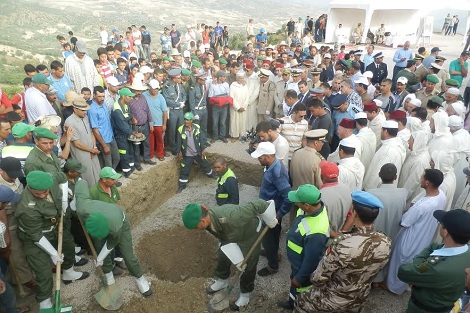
285	85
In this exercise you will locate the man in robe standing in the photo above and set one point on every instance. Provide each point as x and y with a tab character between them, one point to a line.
367	138
253	84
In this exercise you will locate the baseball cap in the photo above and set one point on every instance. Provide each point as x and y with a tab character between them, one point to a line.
435	49
80	46
40	78
11	166
264	148
109	172
126	92
305	194
362	80
456	222
73	165
402	80
113	81
329	170
154	84
20	130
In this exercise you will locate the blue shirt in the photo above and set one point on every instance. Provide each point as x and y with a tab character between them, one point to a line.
100	119
275	186
62	85
157	106
350	113
260	37
402	53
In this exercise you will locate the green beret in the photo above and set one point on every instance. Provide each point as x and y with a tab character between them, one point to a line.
185	72
166	59
196	64
222	61
436	99
39	180
452	82
97	225
411	62
432	78
192	215
41	132
260	58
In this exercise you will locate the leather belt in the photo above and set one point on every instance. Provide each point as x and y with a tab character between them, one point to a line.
175	108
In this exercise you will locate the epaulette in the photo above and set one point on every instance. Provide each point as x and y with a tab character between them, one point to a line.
356	110
431	261
32	204
222	220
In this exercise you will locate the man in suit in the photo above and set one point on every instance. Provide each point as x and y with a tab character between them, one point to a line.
378	68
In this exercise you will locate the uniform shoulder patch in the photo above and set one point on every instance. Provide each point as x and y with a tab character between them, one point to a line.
222	220
430	262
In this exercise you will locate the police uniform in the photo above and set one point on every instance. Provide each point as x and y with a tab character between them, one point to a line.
342	280
266	96
380	71
227	188
121	117
198	104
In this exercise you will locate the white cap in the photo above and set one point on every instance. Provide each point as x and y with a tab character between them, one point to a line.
436	66
368	74
453	91
409	96
327	55
362	80
263	148
146	69
113	81
240	73
459	108
455	121
378	102
348	142
390	124
403	80
186	54
154	84
416	102
359	115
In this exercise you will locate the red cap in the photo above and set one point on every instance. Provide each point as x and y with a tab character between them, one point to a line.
347	123
397	115
370	106
266	62
279	65
249	65
329	169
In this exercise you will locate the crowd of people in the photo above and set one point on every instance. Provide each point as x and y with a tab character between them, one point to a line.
370	163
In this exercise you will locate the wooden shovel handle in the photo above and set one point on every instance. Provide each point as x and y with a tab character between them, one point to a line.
58	266
90	244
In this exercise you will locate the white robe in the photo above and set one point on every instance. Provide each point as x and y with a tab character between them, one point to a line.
418	229
442	138
368	144
443	161
391	151
351	173
414	165
462	145
376	126
334	157
252	82
240	96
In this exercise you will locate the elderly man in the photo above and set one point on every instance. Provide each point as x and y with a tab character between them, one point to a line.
80	68
83	146
35	97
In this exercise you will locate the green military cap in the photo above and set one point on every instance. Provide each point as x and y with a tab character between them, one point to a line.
432	78
192	215
196	63
185	72
452	82
436	99
73	165
40	78
39	180
41	132
166	59
411	61
126	92
109	172
260	58
21	129
223	61
305	194
97	225
188	116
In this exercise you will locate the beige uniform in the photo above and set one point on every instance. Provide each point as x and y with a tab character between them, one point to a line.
266	96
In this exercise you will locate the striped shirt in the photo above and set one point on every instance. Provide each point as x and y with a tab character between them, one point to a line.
293	132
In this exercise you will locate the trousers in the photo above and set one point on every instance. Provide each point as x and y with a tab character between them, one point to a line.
271	246
202	122
7	298
144	145
175	120
156	142
185	168
126	153
219	118
111	159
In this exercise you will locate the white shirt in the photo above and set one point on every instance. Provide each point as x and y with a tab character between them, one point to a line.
282	150
38	105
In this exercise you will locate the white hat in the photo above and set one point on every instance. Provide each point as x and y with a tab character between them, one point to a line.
186	54
327	55
240	73
459	108
348	142
282	43
402	80
416	102
436	66
154	84
455	121
368	74
362	80
146	69
49	121
265	72
174	52
137	85
263	148
390	124
409	96
453	91
113	81
359	115
378	102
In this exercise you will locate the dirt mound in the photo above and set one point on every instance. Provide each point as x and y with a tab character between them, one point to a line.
177	254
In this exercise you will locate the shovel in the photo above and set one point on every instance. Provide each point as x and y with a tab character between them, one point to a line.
220	300
108	297
58	308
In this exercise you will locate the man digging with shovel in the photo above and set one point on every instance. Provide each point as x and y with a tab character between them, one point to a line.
235	224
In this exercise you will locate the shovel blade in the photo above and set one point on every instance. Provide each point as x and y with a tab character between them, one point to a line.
219	302
109	298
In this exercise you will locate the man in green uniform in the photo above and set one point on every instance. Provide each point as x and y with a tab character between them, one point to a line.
227	183
306	239
38	214
342	280
437	274
110	228
233	224
105	189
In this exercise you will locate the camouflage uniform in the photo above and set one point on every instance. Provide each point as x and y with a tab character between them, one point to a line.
342	280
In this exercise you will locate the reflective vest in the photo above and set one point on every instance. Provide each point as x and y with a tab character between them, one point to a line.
221	181
124	109
196	133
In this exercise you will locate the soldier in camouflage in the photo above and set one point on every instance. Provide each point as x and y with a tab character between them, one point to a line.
342	280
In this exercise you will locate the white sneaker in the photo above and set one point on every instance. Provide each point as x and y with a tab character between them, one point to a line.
219	284
70	275
144	286
77	258
109	278
243	299
46	304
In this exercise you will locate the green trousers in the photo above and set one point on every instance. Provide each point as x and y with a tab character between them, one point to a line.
40	262
123	240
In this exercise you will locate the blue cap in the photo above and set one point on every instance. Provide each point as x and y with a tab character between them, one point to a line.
366	199
262	30
338	100
174	72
